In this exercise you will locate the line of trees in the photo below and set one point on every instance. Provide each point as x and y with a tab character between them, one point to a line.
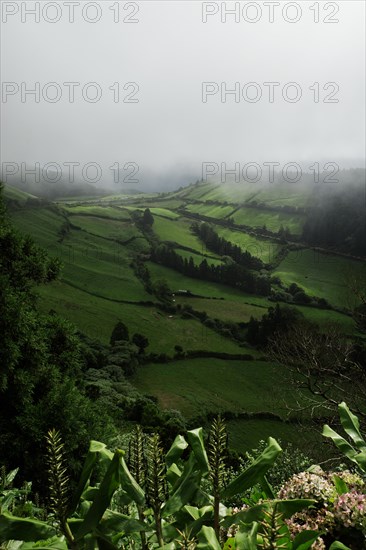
221	246
229	273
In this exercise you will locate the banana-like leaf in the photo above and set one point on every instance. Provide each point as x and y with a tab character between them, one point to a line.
28	530
361	460
104	543
173	474
206	518
129	484
117	475
187	486
114	523
176	450
255	471
338	546
97	451
246	537
288	508
109	484
9	478
351	426
195	439
340	442
56	543
304	540
207	539
267	488
193	511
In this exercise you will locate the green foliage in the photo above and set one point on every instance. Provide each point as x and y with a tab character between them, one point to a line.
140	341
355	451
174	511
41	364
119	333
147	218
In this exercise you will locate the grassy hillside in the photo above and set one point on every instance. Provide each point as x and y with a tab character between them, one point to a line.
98	242
321	275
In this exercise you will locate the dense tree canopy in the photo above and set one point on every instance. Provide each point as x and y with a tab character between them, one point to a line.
41	362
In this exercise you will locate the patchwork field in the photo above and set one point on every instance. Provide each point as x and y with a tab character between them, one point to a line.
97	317
98	287
177	281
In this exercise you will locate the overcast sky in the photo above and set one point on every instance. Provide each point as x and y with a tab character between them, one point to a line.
169	52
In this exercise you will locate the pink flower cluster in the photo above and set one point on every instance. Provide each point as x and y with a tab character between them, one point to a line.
350	510
308	485
332	512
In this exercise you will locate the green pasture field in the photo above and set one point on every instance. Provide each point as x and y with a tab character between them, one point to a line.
272	220
225	310
107	228
112	212
97	316
194	192
321	275
207	289
210	210
91	263
16	194
323	317
170	204
275	194
244	435
177	231
264	249
156	211
199	386
100	267
43	224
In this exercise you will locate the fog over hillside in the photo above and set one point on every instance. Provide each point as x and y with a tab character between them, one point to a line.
142	95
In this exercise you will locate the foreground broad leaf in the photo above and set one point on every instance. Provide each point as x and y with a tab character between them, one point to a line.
246	537
195	439
97	451
343	445
351	426
56	543
176	450
28	530
184	490
106	490
207	539
304	540
255	472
